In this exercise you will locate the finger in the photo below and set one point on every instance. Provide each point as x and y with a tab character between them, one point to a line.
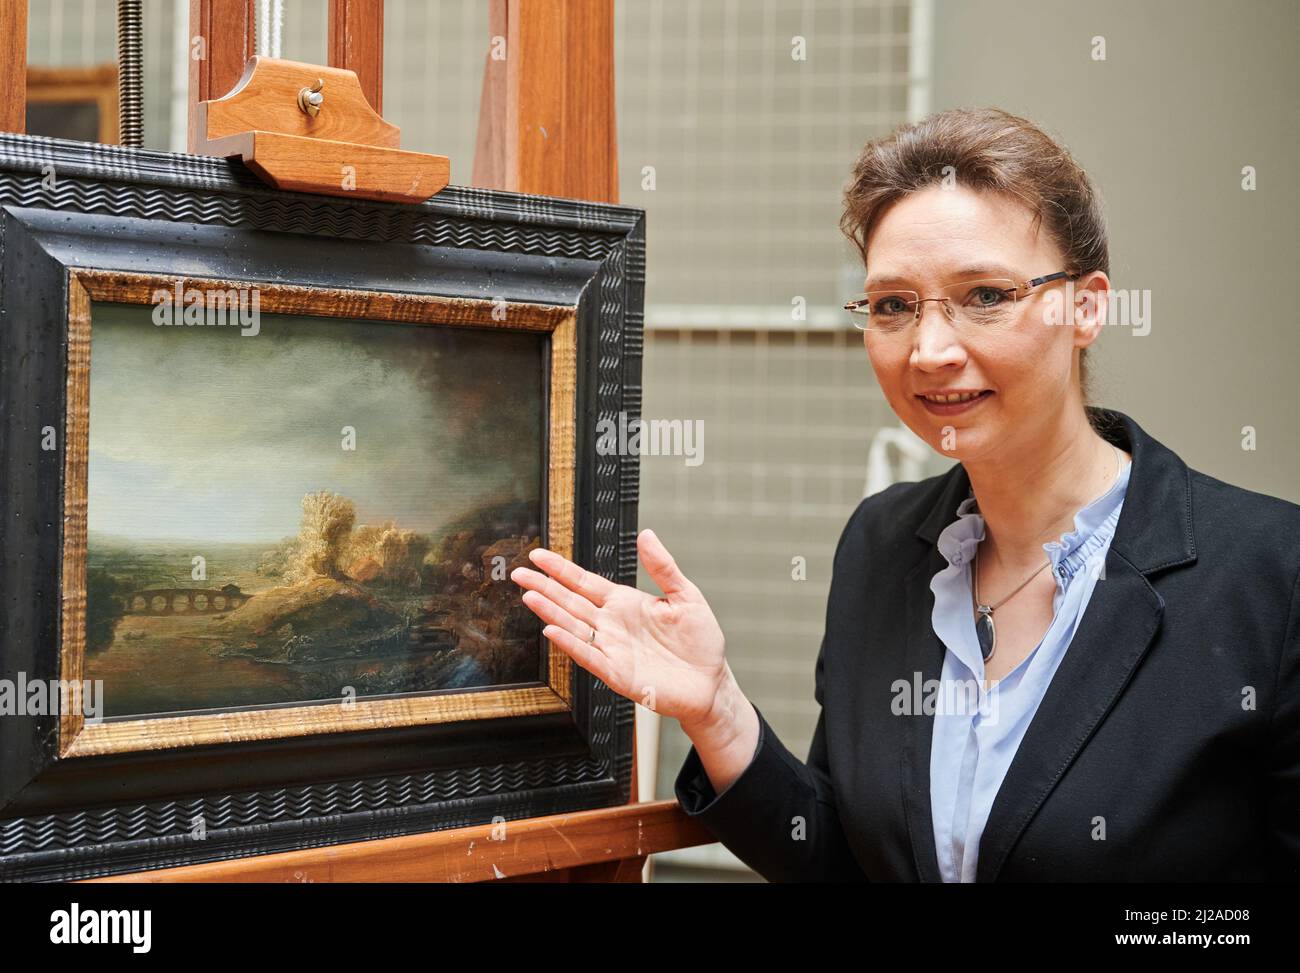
573	576
572	602
548	611
661	567
585	655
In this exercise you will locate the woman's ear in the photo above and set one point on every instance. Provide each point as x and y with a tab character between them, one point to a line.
1091	306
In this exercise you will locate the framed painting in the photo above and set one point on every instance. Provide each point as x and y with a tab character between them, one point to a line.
269	459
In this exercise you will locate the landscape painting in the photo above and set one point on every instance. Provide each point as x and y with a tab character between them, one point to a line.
313	509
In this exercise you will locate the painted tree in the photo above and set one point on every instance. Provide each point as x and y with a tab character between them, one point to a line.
327	520
402	552
103	608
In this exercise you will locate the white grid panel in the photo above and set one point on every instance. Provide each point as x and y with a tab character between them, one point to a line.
749	147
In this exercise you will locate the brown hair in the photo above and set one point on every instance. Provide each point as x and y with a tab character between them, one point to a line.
985	149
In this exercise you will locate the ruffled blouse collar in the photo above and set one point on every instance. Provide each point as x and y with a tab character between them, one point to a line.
959	540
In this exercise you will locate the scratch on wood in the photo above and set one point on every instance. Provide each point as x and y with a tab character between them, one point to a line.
557	830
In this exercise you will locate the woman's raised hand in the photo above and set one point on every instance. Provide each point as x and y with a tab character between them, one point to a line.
668	654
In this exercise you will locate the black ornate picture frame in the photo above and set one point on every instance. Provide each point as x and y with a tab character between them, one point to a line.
80	220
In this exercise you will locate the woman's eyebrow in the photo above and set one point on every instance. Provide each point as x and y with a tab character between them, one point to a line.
975	273
874	282
957	276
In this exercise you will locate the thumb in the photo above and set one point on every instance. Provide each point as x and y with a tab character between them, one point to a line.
661	567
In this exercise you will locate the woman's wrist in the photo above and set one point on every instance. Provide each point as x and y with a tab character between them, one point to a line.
723	724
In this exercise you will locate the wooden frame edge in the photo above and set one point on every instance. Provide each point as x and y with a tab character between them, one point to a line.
533	847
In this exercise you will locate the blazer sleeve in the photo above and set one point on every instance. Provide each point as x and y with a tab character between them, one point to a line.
1284	771
779	816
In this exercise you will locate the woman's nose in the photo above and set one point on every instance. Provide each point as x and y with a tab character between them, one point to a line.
936	341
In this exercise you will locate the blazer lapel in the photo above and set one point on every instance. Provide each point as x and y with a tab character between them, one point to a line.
924	655
1117	627
1154	533
924	661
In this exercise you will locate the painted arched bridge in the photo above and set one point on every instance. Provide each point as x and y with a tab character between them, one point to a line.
184	601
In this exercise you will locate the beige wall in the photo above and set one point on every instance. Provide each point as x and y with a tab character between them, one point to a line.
1190	92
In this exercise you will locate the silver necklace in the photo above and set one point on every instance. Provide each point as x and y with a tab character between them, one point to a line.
985	630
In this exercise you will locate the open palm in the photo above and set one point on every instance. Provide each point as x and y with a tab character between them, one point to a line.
668	654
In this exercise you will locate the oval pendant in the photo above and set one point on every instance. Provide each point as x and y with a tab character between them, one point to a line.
987	634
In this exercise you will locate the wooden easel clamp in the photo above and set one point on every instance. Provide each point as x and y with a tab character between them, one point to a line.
310	128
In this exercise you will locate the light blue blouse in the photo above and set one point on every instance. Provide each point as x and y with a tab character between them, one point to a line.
976	733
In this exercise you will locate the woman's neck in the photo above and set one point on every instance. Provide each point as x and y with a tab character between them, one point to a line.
1029	494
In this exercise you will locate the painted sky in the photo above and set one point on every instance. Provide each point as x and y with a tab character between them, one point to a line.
201	433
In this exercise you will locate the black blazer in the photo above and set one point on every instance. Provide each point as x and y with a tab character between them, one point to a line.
1174	718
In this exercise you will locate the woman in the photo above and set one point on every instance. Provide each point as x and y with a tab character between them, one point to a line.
1133	713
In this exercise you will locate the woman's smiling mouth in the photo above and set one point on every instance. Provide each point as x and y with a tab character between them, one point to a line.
949	403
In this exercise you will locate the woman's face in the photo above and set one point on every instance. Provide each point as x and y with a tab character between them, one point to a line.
938	236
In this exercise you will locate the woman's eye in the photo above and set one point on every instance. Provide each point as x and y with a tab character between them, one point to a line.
988	296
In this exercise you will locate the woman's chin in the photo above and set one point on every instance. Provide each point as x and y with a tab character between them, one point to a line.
957	439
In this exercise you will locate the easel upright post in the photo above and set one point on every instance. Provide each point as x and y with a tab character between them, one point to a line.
547	120
221	42
13	66
356	43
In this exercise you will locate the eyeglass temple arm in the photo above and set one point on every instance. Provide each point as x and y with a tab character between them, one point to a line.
1050	277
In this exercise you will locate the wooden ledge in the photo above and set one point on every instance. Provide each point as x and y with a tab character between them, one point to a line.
605	845
344	149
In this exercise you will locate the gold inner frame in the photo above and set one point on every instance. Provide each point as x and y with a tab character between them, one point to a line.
77	738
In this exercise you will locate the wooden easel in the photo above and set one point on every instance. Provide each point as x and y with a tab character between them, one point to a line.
546	117
546	126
